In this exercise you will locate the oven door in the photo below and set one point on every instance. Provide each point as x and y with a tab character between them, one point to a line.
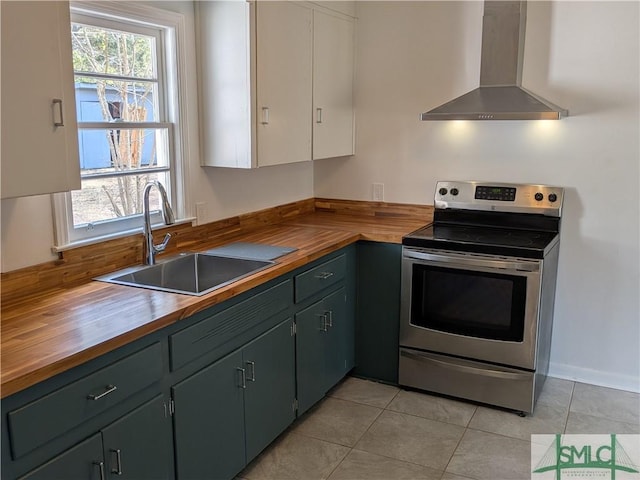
480	307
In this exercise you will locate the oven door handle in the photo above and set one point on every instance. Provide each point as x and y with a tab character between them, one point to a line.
474	262
486	371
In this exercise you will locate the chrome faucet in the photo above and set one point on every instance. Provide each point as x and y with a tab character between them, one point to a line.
167	214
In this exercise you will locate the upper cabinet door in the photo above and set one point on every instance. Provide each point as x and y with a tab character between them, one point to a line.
284	85
226	83
333	123
39	130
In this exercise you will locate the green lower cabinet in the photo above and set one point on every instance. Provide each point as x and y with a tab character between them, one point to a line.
135	447
269	363
208	422
138	446
324	345
228	412
339	352
310	352
378	311
84	461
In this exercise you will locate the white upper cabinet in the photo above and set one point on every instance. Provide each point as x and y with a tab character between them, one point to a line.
39	130
333	65
257	84
254	83
284	85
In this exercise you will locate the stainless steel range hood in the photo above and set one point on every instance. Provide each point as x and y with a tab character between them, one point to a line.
500	95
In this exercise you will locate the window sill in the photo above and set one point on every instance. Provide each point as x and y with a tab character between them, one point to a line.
104	238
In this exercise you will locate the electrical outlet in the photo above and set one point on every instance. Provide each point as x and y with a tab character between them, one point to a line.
201	213
378	192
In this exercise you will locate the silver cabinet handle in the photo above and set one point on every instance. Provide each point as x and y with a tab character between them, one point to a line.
252	365
324	275
58	102
118	469
243	377
265	116
318	115
323	322
108	389
329	316
100	466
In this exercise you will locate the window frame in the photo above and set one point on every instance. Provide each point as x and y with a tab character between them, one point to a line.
173	68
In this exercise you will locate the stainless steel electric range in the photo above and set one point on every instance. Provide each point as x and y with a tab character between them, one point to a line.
478	288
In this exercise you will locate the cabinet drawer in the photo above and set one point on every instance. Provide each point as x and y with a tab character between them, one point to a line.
44	419
316	279
218	331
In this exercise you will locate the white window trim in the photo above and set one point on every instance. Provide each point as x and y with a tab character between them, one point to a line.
177	61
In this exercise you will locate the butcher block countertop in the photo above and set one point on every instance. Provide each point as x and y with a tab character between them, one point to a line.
50	332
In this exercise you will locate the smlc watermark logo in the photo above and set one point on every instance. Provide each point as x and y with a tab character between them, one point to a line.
594	457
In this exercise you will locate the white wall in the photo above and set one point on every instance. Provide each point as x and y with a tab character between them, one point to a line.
27	225
583	56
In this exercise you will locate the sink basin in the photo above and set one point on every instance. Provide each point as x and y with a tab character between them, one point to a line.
191	274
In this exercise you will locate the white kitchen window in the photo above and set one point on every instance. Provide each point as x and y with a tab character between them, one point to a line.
128	105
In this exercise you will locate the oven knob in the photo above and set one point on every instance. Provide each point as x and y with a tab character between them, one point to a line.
553	197
538	196
442	191
454	191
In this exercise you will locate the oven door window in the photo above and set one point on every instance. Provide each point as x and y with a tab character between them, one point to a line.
466	302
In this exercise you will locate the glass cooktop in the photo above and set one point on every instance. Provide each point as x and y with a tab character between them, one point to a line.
489	240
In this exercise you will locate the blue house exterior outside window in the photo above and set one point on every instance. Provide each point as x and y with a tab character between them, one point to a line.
94	148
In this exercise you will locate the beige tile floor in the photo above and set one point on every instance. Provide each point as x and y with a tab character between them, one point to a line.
370	431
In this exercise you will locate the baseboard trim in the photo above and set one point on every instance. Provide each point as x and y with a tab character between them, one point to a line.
618	381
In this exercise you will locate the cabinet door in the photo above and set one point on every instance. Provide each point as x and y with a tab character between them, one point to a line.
378	310
339	341
269	363
138	446
310	345
82	462
333	61
284	85
36	73
226	83
209	422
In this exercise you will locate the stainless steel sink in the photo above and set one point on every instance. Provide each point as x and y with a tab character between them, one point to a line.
191	274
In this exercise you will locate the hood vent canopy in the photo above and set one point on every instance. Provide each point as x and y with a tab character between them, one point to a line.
500	95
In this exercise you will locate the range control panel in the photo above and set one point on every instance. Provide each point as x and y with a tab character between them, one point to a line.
499	197
501	194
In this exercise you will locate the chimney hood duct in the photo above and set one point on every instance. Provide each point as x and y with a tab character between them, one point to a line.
500	95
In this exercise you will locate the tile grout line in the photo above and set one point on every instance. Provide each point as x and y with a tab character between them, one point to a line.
466	428
566	421
363	434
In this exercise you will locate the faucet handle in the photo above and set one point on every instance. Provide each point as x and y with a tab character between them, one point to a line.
163	245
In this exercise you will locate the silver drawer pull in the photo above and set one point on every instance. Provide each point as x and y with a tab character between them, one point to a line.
118	468
243	377
109	389
323	322
100	465
324	275
329	315
252	366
